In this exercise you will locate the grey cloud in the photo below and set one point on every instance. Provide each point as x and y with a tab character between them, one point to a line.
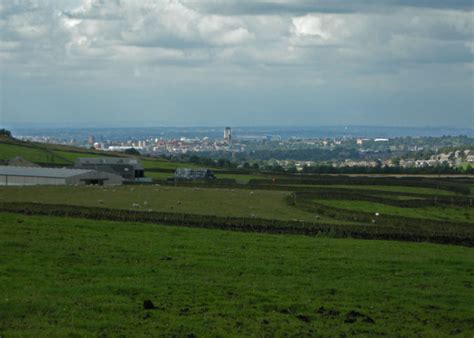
322	6
295	49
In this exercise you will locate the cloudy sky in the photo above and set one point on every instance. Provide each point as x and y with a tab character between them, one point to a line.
246	63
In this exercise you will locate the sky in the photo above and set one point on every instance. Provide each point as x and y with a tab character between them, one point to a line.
78	63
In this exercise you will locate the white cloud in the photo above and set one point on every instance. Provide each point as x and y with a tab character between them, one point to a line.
278	55
320	26
159	33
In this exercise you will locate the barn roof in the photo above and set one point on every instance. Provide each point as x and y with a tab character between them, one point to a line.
41	172
106	160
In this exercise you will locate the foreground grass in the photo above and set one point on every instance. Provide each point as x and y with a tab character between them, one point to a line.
61	277
219	202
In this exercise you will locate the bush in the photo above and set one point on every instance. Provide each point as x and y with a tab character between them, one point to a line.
5	132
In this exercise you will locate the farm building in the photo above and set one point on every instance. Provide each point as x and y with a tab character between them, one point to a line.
10	175
129	169
193	174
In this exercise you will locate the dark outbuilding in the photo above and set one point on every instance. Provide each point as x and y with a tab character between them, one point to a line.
193	174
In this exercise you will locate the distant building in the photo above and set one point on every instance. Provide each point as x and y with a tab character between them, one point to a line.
124	148
361	141
129	169
193	174
10	175
227	134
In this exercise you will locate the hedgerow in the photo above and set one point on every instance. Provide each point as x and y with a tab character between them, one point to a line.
421	231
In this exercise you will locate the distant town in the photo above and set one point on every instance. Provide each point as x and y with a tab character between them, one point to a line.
289	153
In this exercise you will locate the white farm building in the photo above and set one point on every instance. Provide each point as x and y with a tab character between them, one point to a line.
10	175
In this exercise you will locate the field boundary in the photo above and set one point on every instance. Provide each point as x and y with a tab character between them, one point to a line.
359	231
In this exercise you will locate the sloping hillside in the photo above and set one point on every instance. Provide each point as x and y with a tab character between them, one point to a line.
62	155
45	154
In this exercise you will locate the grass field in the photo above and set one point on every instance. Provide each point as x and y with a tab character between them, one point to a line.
72	156
241	179
459	214
382	188
66	155
162	164
76	277
220	202
33	154
65	277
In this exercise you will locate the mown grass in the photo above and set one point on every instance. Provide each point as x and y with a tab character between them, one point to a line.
219	202
73	277
460	214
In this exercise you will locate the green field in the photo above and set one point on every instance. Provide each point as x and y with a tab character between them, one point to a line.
239	178
162	164
438	213
379	188
72	156
33	154
219	202
66	155
73	277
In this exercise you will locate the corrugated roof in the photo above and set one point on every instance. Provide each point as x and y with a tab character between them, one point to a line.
105	160
41	172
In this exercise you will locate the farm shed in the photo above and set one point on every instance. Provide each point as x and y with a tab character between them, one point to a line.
193	174
129	169
10	175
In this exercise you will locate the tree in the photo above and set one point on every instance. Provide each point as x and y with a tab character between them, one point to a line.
132	151
5	132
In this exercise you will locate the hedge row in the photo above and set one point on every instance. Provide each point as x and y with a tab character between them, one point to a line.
305	202
417	182
420	201
362	231
426	200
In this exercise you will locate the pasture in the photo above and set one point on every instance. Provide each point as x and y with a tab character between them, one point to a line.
75	277
329	210
72	276
204	201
